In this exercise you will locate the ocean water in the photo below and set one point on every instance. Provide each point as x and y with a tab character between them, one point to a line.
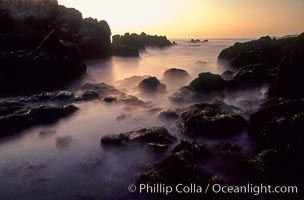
65	160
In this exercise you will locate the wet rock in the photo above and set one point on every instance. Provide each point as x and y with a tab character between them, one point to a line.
169	114
227	75
228	147
109	99
277	167
207	83
180	166
206	86
291	70
278	123
158	148
251	76
210	121
175	75
157	135
192	150
265	50
87	95
130	82
28	116
151	84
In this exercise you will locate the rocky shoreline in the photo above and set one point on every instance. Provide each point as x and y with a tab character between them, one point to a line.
34	71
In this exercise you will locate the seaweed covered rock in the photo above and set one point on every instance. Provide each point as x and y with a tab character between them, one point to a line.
181	166
151	84
278	167
154	135
279	123
210	121
20	117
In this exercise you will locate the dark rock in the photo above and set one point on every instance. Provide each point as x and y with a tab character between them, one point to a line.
109	99
176	76
265	50
151	84
207	86
194	41
227	75
95	39
291	70
278	123
27	116
33	70
30	21
157	135
140	41
192	150
158	148
210	121
180	166
283	167
207	83
169	114
251	76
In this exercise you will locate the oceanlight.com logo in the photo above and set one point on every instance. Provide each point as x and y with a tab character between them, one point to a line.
193	188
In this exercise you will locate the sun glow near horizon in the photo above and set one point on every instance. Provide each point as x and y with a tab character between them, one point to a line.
197	18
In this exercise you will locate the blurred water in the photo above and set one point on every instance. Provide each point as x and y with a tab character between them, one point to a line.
66	161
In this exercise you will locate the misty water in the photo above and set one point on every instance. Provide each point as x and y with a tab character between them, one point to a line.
66	161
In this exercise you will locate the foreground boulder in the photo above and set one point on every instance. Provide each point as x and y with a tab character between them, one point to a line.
278	167
279	123
179	167
19	117
154	135
291	70
210	121
151	84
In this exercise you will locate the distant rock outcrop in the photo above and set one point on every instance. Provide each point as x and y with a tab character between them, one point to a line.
129	44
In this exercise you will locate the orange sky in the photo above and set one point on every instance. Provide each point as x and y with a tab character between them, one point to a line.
197	18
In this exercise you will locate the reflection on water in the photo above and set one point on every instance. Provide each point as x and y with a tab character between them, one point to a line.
65	160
